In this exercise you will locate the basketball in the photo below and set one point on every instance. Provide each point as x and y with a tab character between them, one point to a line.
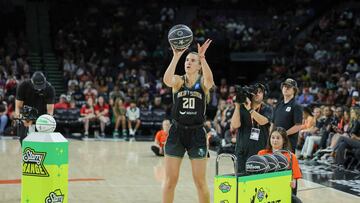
45	123
273	162
256	164
283	161
180	36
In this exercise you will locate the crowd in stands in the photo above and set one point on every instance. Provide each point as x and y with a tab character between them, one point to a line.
264	29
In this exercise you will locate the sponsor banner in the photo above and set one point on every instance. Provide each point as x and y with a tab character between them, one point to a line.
262	188
269	187
44	171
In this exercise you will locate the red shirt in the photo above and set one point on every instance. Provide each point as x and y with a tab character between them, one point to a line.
86	110
102	108
61	105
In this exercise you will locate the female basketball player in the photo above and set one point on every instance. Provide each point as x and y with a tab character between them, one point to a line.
190	93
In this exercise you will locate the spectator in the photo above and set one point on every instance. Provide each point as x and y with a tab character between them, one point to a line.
90	91
160	138
3	115
62	104
102	114
87	113
347	143
305	98
119	112
133	117
308	124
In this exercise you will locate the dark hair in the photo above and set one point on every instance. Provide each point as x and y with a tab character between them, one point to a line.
308	111
282	132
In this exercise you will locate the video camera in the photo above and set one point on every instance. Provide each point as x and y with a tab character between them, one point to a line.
244	92
28	113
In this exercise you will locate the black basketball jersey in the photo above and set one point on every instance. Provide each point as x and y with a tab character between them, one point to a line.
189	104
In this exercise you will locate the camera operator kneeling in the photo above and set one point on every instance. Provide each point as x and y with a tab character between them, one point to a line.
252	118
34	97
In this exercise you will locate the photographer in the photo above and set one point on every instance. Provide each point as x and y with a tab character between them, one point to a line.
36	93
252	118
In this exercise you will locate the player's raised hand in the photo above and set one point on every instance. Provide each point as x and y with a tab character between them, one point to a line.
202	49
178	52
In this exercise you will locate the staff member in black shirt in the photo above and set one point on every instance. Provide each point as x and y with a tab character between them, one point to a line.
253	120
37	93
287	113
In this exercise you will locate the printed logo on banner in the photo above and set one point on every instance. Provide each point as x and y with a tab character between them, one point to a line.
260	195
225	187
55	197
33	163
224	201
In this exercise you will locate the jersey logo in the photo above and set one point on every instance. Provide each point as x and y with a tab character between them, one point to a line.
182	112
288	109
197	86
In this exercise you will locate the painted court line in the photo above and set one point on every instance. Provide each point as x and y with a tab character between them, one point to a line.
18	181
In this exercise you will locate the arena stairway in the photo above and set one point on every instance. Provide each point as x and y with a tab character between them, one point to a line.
41	55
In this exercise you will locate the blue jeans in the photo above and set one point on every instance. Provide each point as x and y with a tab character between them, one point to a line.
3	122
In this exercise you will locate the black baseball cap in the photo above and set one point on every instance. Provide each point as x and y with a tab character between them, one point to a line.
38	80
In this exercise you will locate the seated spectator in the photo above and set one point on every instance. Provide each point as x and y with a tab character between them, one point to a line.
308	124
87	114
89	91
305	98
347	143
3	115
102	114
213	139
160	138
157	104
133	117
226	116
62	104
218	116
119	112
348	131
116	93
314	136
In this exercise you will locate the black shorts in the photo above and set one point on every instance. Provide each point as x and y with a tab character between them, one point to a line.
184	138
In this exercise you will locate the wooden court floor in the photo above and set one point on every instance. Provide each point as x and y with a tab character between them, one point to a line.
128	172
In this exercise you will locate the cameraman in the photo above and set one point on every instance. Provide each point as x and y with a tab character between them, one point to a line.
36	93
252	116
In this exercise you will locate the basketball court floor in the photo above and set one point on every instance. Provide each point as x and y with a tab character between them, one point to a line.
128	172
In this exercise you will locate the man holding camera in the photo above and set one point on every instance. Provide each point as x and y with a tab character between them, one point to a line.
252	118
288	114
36	93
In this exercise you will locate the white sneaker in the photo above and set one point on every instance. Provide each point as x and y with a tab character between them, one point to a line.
131	132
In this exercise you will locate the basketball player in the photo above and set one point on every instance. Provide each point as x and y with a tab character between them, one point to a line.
37	93
187	134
